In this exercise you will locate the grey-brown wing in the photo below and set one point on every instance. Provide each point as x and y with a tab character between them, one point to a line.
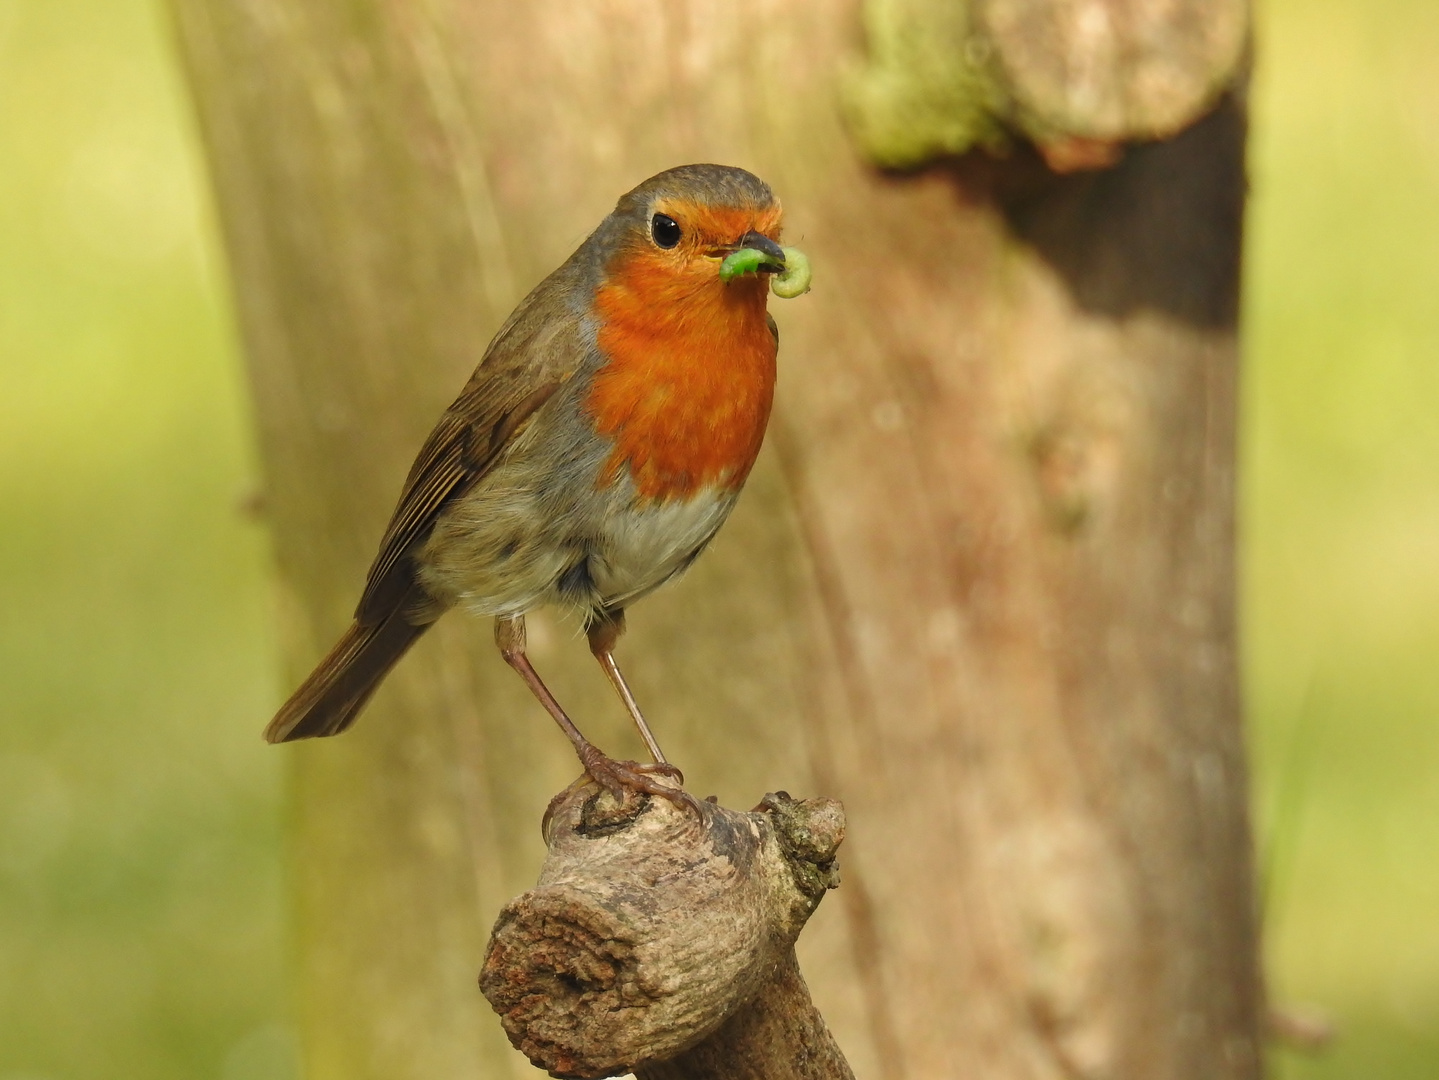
529	360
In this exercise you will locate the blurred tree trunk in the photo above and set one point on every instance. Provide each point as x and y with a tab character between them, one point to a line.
980	587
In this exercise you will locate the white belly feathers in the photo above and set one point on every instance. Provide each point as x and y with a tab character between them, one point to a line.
519	541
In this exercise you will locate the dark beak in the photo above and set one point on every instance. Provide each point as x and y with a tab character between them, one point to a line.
761	243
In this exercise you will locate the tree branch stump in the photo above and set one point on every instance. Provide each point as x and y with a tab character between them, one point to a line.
660	941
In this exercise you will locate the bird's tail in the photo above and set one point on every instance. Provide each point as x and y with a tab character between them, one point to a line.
330	699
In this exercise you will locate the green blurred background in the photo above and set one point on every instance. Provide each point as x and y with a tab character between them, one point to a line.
141	920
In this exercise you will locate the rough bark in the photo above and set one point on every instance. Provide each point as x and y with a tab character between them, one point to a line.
660	940
980	587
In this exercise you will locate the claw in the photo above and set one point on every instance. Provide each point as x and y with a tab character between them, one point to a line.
622	777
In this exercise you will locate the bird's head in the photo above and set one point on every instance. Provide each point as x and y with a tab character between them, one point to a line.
680	231
689	349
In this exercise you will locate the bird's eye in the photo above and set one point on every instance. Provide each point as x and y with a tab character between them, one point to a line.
665	230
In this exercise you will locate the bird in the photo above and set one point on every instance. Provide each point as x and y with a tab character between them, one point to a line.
600	444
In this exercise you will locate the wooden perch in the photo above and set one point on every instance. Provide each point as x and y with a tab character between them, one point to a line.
660	940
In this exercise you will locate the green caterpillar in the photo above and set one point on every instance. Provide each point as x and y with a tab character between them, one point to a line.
790	282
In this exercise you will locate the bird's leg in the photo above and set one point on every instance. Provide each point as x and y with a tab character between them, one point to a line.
510	637
614	776
604	629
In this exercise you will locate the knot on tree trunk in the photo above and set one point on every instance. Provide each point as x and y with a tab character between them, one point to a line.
661	937
1077	77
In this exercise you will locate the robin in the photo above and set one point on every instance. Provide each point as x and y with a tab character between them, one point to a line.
599	446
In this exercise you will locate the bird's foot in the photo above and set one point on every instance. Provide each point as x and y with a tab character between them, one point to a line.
628	785
625	778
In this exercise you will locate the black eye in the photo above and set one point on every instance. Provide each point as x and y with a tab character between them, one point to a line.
665	230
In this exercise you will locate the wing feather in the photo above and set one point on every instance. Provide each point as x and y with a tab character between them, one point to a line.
529	360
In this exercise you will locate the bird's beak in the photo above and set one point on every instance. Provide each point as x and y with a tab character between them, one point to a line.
754	254
765	246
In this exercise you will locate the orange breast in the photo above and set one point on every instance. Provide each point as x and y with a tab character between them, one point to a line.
689	379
